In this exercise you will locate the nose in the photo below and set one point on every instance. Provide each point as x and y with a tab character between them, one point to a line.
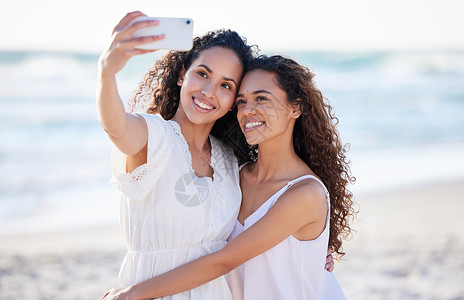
209	90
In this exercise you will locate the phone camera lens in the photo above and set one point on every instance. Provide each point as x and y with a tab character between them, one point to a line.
188	22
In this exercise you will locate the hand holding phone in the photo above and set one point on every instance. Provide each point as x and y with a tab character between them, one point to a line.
178	33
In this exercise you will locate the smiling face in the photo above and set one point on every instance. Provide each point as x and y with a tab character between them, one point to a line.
209	86
263	111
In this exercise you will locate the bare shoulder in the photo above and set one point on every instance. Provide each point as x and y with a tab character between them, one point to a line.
309	187
308	194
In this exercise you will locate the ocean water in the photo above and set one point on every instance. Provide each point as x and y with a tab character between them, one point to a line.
402	113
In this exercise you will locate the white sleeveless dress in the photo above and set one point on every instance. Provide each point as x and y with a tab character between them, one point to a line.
291	270
169	216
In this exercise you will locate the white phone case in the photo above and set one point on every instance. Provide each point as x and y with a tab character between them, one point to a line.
178	33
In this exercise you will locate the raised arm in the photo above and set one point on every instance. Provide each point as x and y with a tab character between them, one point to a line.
127	131
301	205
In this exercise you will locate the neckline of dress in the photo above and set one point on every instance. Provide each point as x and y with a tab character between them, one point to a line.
290	183
188	155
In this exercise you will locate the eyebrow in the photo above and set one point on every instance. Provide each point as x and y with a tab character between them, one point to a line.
211	71
257	92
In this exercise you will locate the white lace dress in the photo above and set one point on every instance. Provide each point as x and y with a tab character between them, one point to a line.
169	216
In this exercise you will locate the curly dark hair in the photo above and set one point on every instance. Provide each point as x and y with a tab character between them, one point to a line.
316	139
160	92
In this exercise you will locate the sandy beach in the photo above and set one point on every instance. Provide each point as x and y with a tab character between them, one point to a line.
409	245
71	265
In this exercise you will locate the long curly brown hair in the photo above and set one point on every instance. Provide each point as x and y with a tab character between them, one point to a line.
159	92
316	140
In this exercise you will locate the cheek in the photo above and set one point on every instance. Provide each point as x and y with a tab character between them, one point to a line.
227	100
190	82
239	112
274	111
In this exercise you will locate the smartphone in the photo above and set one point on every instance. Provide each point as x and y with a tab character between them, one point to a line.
178	33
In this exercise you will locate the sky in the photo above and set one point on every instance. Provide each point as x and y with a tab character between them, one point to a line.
323	25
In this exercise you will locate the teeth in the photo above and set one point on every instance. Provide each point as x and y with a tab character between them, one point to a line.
202	105
253	124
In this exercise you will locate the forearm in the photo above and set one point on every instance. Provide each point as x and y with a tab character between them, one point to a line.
111	110
113	117
181	279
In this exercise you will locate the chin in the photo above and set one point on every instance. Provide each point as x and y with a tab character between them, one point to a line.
198	118
252	140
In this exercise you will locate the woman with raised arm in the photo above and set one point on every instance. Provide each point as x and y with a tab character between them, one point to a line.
295	201
180	185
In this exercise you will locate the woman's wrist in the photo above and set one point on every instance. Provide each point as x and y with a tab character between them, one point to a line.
105	69
104	74
132	293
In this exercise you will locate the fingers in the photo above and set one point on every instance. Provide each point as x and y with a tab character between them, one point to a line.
329	262
124	35
329	251
133	43
123	45
329	258
329	266
106	294
144	51
129	48
140	24
129	17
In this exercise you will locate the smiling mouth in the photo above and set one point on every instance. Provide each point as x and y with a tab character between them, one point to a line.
251	125
203	105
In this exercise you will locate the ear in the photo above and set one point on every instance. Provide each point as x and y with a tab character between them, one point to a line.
180	80
296	109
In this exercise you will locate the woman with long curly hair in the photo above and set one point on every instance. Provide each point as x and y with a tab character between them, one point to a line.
295	201
180	185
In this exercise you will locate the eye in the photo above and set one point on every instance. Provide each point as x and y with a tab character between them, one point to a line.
261	98
227	86
240	101
202	74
